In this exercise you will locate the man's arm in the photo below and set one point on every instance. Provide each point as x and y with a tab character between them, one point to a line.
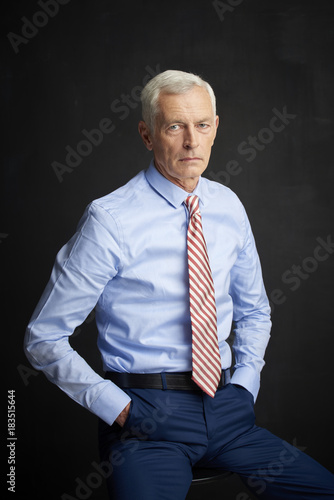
82	269
251	315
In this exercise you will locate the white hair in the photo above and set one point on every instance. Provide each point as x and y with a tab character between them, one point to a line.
169	82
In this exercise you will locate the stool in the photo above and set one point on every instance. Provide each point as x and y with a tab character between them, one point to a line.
206	484
202	475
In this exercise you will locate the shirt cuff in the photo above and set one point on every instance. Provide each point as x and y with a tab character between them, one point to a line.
110	403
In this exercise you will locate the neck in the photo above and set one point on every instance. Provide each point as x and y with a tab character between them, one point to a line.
188	184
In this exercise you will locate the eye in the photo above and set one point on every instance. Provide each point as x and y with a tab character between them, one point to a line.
203	125
174	127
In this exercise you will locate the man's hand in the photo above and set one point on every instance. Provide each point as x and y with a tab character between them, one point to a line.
123	415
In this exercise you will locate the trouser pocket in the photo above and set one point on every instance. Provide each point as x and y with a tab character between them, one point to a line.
152	413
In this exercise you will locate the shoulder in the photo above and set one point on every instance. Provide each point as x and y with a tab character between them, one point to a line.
225	206
109	210
124	197
220	195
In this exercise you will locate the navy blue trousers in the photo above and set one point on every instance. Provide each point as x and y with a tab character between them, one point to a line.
168	432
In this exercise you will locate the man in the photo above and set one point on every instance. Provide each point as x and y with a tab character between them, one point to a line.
169	260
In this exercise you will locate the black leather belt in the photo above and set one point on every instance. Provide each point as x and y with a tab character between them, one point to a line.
166	380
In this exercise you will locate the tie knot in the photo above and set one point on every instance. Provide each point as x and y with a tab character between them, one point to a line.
192	204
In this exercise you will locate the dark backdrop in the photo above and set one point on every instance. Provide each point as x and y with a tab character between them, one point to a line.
74	66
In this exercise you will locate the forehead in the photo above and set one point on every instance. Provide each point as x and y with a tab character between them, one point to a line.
194	104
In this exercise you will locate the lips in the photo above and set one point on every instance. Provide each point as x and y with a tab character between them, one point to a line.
190	158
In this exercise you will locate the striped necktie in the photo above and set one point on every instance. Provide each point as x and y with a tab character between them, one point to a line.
206	362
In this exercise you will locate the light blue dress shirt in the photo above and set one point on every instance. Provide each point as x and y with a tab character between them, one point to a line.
128	259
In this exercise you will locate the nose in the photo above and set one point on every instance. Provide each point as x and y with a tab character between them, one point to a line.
190	138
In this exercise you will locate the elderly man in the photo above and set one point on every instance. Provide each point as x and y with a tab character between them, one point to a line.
169	261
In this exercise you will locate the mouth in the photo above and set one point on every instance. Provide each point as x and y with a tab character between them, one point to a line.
190	158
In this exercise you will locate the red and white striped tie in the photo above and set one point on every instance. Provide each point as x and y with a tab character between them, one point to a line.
206	362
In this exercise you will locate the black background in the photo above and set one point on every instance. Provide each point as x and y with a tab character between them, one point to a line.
258	55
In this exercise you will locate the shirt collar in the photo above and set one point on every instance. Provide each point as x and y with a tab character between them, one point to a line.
170	191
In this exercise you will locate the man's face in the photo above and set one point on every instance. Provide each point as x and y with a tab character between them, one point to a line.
185	129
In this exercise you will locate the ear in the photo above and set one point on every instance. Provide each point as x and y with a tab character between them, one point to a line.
145	135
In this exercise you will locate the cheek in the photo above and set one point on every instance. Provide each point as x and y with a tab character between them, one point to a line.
208	145
172	150
168	151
